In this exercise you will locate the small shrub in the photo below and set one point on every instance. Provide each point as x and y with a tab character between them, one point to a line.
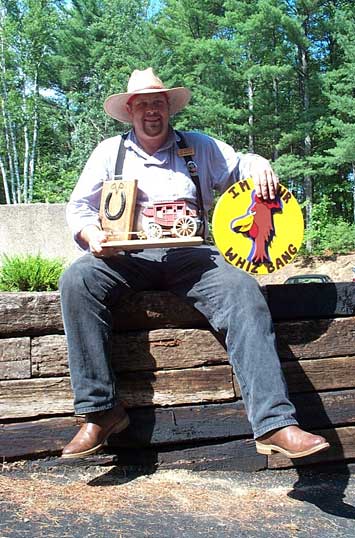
30	273
335	237
328	233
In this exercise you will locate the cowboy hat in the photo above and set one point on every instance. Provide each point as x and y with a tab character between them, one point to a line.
145	82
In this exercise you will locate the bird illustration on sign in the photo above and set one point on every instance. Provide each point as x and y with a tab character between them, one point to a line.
258	224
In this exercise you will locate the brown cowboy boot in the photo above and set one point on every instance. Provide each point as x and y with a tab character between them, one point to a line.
292	442
97	429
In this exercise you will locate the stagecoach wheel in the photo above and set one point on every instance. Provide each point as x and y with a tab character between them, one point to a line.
185	227
154	231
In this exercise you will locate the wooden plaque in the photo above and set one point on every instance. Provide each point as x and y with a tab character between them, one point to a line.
118	202
168	242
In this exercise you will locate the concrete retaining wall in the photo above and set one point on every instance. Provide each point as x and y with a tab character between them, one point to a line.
36	229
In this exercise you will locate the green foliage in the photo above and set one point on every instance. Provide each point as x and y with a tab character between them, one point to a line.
30	273
329	234
26	40
271	76
54	185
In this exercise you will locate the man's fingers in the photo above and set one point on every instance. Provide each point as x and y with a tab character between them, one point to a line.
265	180
272	182
103	252
95	244
96	248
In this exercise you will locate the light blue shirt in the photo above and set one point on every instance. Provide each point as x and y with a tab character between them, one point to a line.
161	177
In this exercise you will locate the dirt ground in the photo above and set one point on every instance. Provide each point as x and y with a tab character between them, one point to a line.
338	267
93	498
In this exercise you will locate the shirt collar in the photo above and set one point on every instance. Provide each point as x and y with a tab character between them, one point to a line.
158	157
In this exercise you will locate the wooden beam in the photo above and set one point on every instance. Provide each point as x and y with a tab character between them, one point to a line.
15	358
136	350
311	301
39	313
29	313
320	374
324	410
311	339
43	437
177	387
15	369
35	397
154	310
174	425
50	396
187	348
237	455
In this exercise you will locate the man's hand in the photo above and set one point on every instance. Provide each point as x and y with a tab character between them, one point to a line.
265	180
94	237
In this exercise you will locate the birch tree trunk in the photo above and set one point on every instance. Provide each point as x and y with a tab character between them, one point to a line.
9	131
31	165
307	143
275	87
26	153
4	115
4	181
251	145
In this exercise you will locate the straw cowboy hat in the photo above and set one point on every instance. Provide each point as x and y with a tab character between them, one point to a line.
145	82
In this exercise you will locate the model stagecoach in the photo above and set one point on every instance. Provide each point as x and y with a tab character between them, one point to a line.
174	219
166	223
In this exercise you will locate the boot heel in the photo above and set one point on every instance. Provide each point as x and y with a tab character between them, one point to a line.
121	425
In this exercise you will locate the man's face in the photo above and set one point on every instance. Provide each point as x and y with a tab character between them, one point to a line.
150	114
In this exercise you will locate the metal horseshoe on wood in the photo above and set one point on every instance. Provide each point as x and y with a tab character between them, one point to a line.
121	210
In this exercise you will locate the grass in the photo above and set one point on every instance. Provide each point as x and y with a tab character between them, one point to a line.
30	273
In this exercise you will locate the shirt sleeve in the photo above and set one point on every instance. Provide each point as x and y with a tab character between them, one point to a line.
228	166
221	164
84	203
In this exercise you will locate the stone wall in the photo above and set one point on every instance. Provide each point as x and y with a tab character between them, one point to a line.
36	229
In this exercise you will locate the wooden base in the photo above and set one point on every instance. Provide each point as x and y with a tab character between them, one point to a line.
138	244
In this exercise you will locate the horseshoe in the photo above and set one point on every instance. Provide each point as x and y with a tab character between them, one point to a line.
120	212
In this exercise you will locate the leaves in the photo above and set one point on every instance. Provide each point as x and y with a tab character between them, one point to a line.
30	273
273	76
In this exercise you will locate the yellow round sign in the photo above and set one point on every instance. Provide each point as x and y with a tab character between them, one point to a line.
256	235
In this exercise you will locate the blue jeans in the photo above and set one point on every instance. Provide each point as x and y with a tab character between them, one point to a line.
229	298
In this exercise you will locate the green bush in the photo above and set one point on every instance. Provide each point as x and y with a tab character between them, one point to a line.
30	273
329	233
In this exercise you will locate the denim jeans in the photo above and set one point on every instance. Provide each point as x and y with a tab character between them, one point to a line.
229	298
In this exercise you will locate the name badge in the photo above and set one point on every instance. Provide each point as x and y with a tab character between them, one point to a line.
186	152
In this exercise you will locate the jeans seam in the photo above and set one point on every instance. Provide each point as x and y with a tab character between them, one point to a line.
92	409
274	426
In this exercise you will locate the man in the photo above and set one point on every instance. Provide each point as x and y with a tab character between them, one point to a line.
103	276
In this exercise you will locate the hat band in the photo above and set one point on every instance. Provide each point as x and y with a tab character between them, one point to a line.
148	88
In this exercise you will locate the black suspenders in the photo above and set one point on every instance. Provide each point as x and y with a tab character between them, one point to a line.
118	176
120	157
191	167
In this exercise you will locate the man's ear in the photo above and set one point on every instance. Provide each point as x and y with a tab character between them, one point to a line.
129	109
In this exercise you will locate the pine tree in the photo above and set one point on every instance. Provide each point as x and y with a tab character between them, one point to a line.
340	84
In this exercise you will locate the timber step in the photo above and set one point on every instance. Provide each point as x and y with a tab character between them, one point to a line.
164	428
175	380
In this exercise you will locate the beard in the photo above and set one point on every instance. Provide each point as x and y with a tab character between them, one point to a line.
153	128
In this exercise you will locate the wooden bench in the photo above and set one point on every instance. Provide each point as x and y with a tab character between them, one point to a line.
175	379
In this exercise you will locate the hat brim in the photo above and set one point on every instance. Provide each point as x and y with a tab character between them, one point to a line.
116	105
